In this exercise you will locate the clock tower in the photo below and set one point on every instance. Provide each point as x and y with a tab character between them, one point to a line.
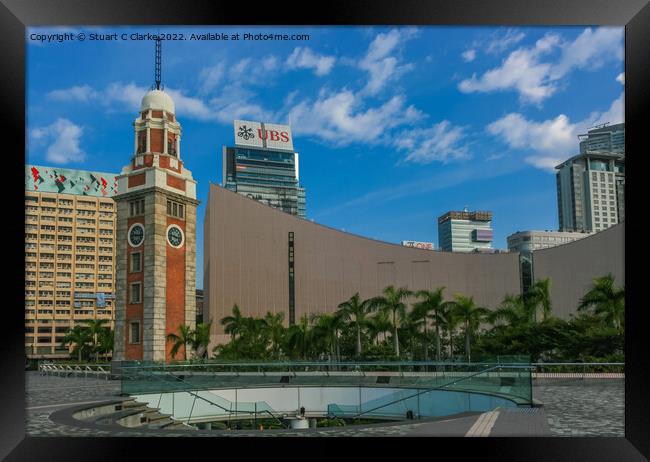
156	235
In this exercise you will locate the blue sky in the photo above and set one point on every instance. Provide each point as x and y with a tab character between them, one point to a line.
394	125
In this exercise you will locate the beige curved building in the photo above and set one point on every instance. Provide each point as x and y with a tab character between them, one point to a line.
248	252
572	267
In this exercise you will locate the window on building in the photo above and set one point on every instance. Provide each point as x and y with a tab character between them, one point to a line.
175	209
136	293
136	207
136	262
134	331
171	146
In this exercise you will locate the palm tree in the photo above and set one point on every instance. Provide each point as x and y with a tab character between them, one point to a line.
410	328
539	295
378	324
79	336
275	330
233	324
357	309
470	315
201	339
392	302
606	300
95	329
514	310
431	308
327	327
106	340
299	337
184	338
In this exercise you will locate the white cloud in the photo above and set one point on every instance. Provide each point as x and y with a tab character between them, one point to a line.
469	55
211	76
340	118
521	71
189	106
62	137
554	140
525	71
621	78
380	65
501	43
128	95
590	50
305	58
81	93
234	102
440	142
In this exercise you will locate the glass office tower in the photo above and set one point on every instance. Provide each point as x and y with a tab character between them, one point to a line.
266	175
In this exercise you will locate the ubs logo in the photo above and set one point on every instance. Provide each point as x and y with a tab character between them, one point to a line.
245	132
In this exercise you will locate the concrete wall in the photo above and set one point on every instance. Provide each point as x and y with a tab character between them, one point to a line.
573	266
246	262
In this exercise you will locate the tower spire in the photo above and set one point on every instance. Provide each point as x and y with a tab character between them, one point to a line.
158	63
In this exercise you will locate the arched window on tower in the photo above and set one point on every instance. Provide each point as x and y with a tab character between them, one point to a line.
171	146
142	142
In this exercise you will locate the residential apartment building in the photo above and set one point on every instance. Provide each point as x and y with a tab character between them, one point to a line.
69	254
591	185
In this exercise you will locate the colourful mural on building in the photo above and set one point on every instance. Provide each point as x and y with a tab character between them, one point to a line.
67	181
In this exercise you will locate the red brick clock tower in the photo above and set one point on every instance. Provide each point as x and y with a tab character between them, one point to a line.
156	235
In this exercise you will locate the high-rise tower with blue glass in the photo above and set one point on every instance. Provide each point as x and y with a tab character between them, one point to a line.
264	166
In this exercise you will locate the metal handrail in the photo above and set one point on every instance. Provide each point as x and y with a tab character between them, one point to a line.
196	395
441	386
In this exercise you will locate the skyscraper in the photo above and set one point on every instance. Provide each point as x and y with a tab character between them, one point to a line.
263	166
591	185
604	138
465	231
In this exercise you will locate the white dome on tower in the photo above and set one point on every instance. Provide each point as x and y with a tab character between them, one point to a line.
158	100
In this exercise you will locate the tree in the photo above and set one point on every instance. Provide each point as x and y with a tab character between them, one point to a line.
106	340
378	324
470	316
326	328
80	338
392	302
431	308
275	332
514	310
299	338
606	300
184	338
539	296
95	329
356	311
233	324
201	339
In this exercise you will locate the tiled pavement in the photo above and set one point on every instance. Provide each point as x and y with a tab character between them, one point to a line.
572	408
583	407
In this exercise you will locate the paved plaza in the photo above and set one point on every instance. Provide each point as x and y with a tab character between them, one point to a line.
571	408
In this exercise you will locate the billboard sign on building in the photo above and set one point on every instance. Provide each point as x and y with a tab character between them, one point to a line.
69	181
263	135
482	235
418	245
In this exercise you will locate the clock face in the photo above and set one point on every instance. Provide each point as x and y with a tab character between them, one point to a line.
175	236
136	235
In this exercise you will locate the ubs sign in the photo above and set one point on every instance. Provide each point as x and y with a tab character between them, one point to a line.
263	135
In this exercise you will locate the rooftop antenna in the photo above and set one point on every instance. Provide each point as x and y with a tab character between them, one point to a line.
158	62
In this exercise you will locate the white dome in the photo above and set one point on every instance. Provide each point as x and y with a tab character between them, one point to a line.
159	100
